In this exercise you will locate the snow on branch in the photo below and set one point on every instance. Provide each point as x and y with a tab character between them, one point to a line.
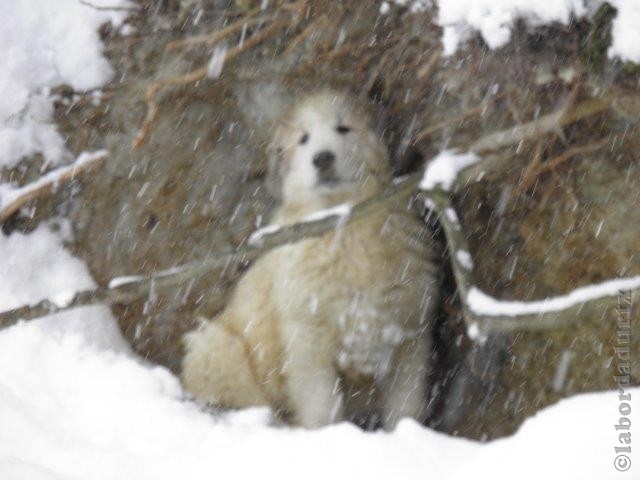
342	211
483	304
444	169
116	8
13	199
479	326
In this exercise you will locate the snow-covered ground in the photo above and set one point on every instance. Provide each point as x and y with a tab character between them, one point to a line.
37	266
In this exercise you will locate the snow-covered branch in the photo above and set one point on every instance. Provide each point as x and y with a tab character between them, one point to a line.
128	289
484	314
591	301
13	199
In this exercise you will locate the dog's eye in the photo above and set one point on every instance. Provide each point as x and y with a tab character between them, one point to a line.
304	139
343	129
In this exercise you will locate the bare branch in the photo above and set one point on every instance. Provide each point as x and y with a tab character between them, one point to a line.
301	37
140	287
538	168
477	110
496	163
213	38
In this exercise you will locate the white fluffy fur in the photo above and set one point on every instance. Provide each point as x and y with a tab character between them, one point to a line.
334	327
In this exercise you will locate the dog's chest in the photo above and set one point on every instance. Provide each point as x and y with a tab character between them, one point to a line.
358	286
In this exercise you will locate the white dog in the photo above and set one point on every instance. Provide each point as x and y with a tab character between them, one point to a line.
334	327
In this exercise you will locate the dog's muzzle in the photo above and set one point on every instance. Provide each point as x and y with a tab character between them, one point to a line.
324	162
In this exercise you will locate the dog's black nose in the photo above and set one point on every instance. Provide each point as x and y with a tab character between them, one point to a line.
324	160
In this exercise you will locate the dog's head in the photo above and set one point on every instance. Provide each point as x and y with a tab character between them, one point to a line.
325	148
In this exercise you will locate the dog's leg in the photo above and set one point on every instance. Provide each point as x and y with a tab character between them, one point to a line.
404	390
216	368
313	388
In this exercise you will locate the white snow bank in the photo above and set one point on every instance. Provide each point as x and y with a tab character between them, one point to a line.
37	266
71	411
625	41
483	304
46	43
495	18
444	168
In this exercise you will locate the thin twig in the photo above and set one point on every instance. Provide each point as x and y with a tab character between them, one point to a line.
480	109
554	162
213	38
528	174
535	169
295	43
191	77
424	74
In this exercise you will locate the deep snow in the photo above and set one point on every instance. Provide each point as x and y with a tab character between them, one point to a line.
71	410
